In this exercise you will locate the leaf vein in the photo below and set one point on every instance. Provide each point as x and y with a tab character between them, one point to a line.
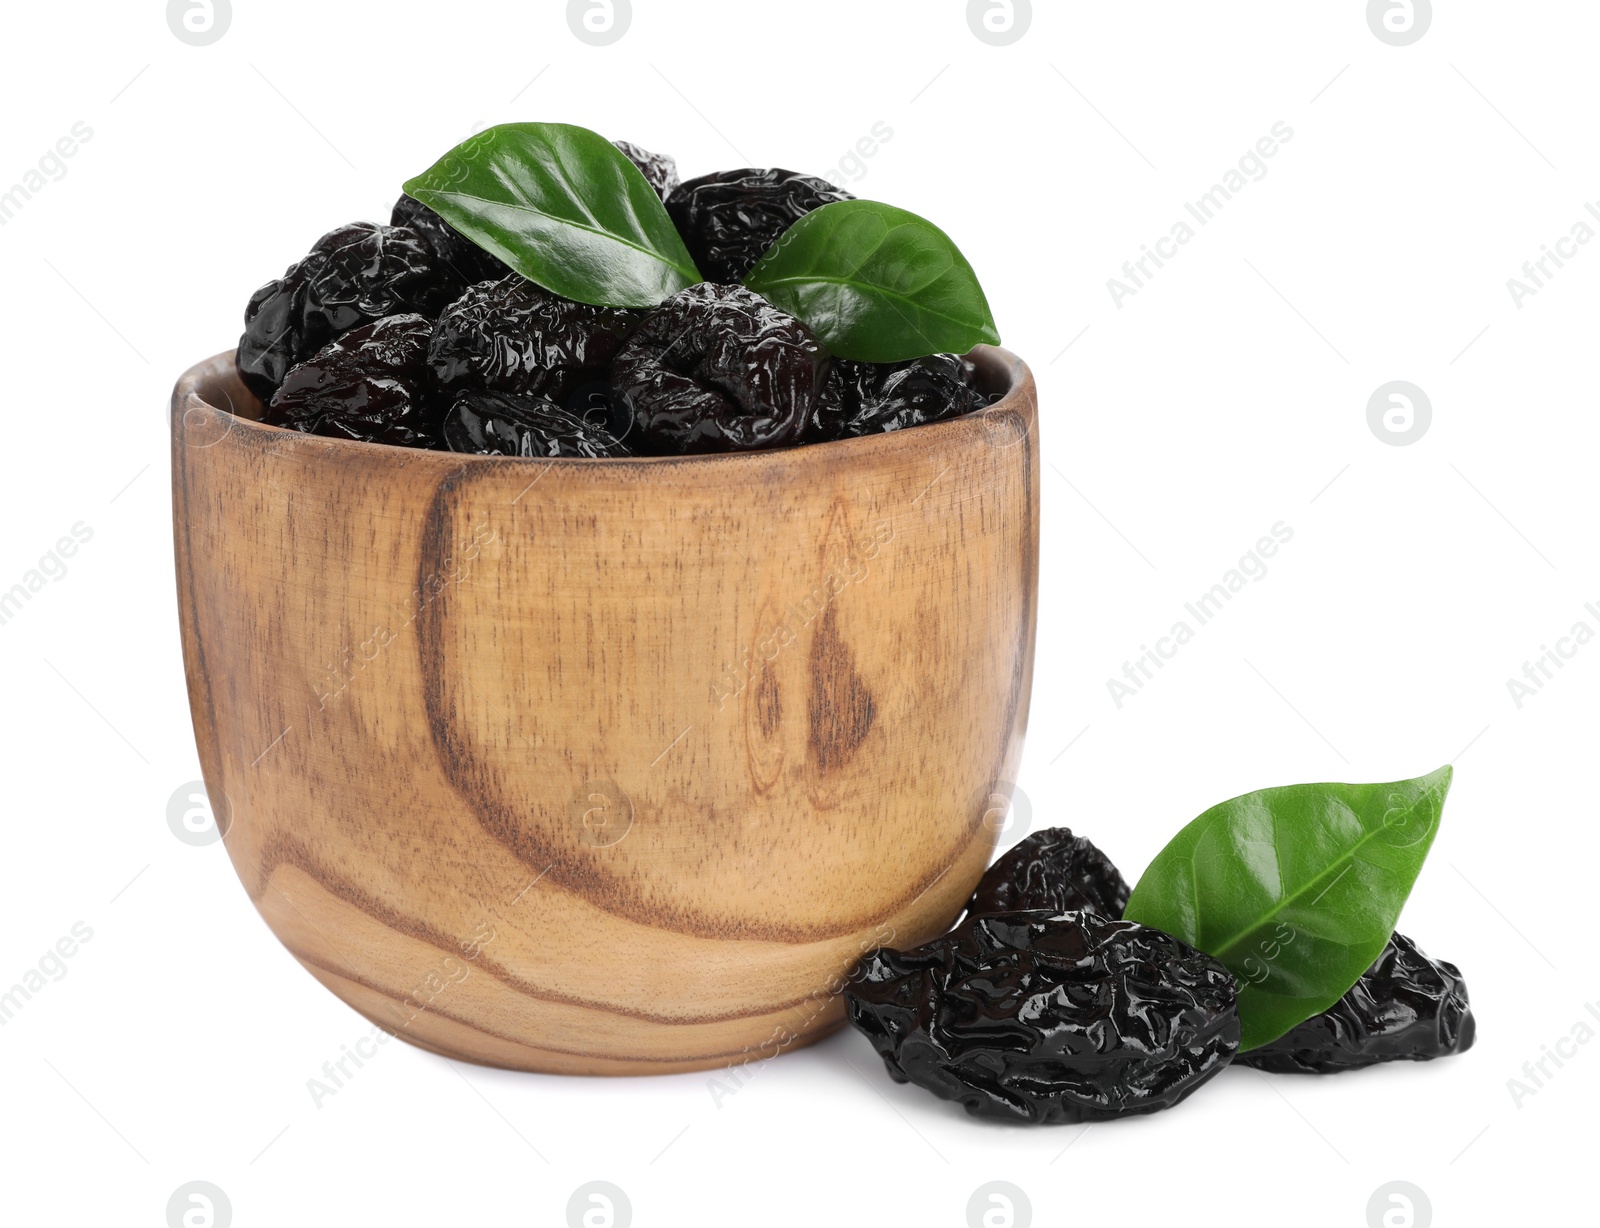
620	240
895	297
1349	855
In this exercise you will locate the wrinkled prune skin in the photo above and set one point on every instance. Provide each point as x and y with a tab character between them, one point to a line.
469	262
728	220
352	276
1040	1017
369	385
865	398
598	404
274	328
515	337
1055	871
659	170
496	424
1405	1008
719	369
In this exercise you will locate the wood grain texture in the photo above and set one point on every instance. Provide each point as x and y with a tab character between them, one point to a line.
606	767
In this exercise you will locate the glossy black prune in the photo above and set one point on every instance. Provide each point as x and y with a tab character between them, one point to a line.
352	276
515	337
719	369
597	403
1405	1008
368	385
497	424
659	170
1040	1017
1051	870
466	259
865	398
729	219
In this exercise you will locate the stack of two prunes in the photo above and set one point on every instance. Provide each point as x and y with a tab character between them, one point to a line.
1043	1005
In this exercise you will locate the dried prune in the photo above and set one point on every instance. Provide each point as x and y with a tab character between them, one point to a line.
719	369
515	337
497	424
1406	1007
367	385
1041	1017
865	398
659	170
465	258
352	276
274	328
1053	870
729	219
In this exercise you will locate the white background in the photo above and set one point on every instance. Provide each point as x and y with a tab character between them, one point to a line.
1227	395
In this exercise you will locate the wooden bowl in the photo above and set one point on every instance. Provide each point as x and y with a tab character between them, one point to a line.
605	767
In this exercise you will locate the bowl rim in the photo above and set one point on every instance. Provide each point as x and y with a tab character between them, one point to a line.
998	365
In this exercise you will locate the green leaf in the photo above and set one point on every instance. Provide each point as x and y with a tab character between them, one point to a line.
1295	889
876	283
562	206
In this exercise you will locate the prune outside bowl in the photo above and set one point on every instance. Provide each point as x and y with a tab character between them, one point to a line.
605	766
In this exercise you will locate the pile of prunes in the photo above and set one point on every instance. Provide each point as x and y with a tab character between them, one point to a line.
411	334
1043	1005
